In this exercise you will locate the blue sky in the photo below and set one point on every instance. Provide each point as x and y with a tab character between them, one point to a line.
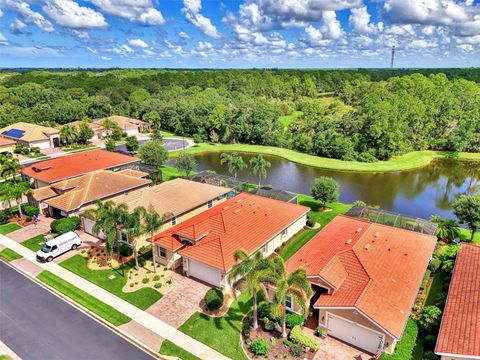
239	34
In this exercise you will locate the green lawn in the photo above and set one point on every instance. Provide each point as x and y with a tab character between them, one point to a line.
170	172
8	228
221	334
465	235
286	120
142	298
74	149
35	243
170	349
435	287
412	160
9	255
98	307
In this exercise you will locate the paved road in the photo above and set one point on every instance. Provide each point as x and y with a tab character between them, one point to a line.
170	144
36	324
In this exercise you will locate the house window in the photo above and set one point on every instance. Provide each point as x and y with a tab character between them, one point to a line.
288	303
162	252
123	237
283	233
209	204
264	248
174	221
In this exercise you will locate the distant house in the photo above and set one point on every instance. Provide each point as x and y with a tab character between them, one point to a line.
31	135
72	196
365	277
208	241
180	198
459	336
6	146
130	126
44	173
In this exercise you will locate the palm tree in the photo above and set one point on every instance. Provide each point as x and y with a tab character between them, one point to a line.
294	284
108	125
249	271
260	165
447	229
9	167
134	228
6	194
234	162
68	134
18	190
109	218
153	222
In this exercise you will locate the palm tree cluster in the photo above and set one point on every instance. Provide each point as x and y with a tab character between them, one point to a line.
235	163
111	218
10	188
447	229
258	274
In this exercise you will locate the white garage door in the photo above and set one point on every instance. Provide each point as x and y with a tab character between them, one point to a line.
353	333
205	273
88	228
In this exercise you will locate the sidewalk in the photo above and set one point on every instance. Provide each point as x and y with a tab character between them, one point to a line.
141	317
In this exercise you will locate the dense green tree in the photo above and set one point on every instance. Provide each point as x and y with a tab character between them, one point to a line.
260	166
84	132
153	153
110	144
132	143
430	318
68	134
467	209
186	163
326	190
234	163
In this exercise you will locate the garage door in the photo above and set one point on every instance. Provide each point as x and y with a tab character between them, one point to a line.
88	228
353	333
205	273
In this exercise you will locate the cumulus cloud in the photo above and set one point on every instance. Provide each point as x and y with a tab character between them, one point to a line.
71	15
106	58
138	43
183	35
17	27
330	29
28	15
32	51
191	9
359	20
3	39
142	11
421	44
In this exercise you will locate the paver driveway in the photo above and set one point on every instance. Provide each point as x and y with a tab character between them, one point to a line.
333	349
181	302
27	232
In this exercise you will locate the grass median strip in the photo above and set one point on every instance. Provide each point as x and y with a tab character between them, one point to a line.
9	255
170	349
34	243
8	228
98	307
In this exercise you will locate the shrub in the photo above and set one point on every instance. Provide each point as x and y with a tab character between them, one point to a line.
298	337
406	345
326	190
430	318
157	285
145	280
110	144
310	221
3	217
292	319
156	277
246	325
287	342
264	310
30	210
259	347
141	261
430	355
35	149
366	157
214	299
435	264
126	250
64	225
197	138
296	350
248	341
29	218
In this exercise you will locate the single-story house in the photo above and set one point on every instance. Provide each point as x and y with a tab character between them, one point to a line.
208	241
365	279
72	196
44	173
459	336
32	135
6	146
130	126
181	199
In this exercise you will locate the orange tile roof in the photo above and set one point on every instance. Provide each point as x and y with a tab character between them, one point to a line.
246	221
460	328
84	189
384	267
132	172
5	141
69	166
43	193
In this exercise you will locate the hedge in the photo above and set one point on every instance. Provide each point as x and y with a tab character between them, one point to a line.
64	225
292	320
259	347
406	345
435	264
298	337
30	210
214	299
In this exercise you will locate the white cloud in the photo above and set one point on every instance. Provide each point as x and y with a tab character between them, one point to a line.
138	43
106	58
28	15
191	9
1	12
71	15
330	29
122	50
359	20
32	51
472	40
421	44
83	35
183	35
400	30
3	39
134	10
466	47
17	27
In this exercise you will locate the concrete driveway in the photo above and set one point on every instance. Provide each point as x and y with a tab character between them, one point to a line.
28	232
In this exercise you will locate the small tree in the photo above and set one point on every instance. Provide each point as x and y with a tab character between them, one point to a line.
447	229
326	190
153	222
9	167
132	143
430	318
68	134
260	166
84	132
234	162
153	153
186	163
18	190
110	144
467	209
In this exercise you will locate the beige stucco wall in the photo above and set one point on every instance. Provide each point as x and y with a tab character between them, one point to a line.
6	148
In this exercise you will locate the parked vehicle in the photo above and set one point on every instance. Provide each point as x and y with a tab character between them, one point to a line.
58	246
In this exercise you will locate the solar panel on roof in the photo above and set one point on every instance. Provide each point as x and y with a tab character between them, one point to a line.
15	133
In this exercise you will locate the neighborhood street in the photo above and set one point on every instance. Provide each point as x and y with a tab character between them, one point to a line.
36	324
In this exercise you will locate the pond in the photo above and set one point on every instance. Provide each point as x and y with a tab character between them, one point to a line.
421	192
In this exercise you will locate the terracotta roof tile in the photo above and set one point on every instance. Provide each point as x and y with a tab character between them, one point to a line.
460	329
43	193
132	172
66	167
32	132
5	141
385	266
246	221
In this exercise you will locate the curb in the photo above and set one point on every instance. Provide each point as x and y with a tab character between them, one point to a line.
5	350
89	313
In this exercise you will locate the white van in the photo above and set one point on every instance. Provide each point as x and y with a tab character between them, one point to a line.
59	245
